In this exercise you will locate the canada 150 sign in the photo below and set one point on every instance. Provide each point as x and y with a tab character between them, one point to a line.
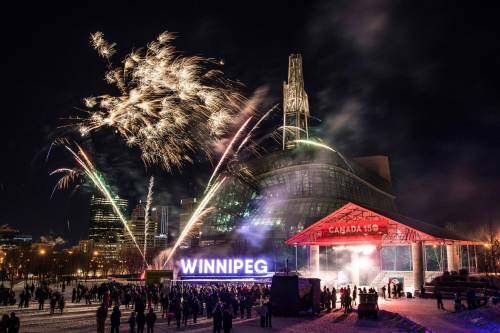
354	229
224	267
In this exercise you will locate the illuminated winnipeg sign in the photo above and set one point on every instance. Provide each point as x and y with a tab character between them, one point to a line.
224	267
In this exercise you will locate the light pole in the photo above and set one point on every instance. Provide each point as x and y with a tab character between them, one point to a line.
296	266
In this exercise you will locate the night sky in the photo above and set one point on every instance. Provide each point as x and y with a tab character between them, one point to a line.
418	81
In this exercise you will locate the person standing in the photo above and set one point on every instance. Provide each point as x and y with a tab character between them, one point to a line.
262	310
217	319
242	306
348	301
383	291
41	299
354	294
115	319
185	312
389	290
458	301
269	313
196	309
150	321
141	321
61	304
334	298
164	306
131	322
101	315
53	302
14	323
227	321
439	299
328	300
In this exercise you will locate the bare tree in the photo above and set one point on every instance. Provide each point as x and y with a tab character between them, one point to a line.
132	260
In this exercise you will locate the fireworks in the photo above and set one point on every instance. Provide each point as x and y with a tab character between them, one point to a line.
227	151
87	168
169	105
105	49
321	145
149	200
197	216
249	135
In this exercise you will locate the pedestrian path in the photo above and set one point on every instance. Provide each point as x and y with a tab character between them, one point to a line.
80	318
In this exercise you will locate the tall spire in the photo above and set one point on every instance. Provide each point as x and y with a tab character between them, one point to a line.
295	104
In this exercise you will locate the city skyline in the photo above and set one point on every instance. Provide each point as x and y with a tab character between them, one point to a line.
417	126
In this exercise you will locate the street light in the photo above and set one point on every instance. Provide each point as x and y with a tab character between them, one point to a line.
42	252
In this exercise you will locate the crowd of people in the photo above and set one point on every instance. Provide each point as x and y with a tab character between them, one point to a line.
178	304
348	296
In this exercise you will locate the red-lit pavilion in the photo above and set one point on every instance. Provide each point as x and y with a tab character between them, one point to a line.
354	224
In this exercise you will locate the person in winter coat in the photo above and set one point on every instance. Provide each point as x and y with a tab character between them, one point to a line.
131	322
62	303
227	321
14	323
4	324
150	321
217	319
115	319
141	321
101	315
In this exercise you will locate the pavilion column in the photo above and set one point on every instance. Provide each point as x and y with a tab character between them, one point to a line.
417	259
355	268
453	256
314	259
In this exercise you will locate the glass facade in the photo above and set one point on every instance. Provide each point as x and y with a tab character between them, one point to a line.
105	227
395	258
288	191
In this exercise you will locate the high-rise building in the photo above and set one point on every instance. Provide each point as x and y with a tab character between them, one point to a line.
10	238
140	232
86	246
105	227
188	206
161	239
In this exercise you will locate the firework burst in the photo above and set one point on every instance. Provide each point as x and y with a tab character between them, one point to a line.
197	218
149	201
322	145
86	168
169	105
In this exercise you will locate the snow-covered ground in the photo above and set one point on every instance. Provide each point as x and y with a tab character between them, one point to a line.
401	315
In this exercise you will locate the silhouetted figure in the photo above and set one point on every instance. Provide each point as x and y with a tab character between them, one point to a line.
131	322
101	315
115	319
227	321
150	321
14	323
217	319
439	299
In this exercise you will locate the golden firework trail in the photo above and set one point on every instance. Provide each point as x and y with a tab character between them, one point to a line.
64	181
321	145
169	105
195	217
149	201
90	171
255	127
227	151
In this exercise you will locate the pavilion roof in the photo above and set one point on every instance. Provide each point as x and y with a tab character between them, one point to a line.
348	224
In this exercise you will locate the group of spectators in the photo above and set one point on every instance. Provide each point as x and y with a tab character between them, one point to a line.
348	296
471	299
182	303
